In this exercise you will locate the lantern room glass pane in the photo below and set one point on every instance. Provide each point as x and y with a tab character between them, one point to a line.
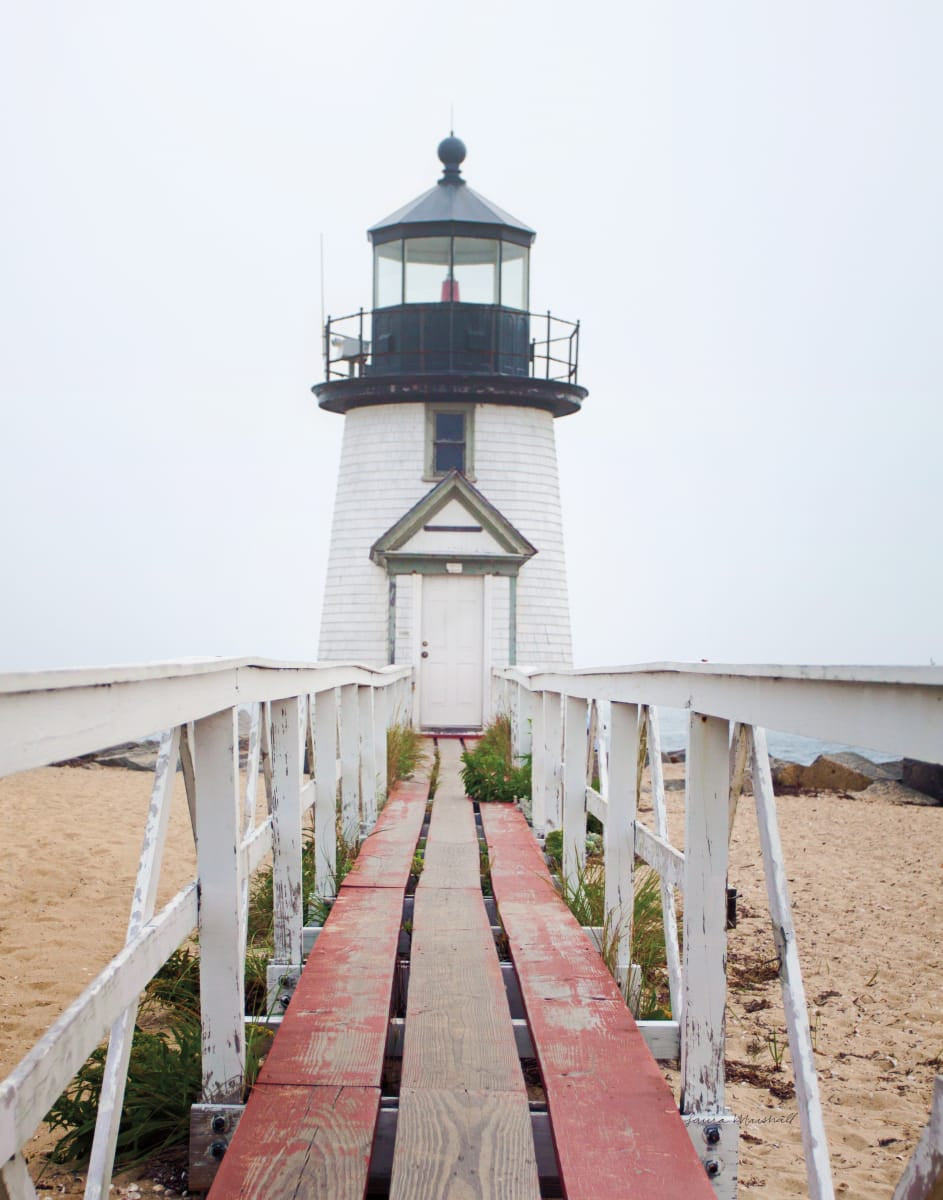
427	270
388	274
475	270
514	276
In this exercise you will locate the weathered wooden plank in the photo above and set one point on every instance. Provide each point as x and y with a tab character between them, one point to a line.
464	1124
614	1120
293	1143
386	855
309	1124
458	1145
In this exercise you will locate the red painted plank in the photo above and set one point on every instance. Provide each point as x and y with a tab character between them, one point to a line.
300	1142
309	1124
615	1124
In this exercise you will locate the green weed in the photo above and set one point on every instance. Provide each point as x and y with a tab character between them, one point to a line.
488	771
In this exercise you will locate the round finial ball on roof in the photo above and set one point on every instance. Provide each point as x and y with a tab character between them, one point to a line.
452	151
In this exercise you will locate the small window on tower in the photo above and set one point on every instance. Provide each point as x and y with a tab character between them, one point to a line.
449	441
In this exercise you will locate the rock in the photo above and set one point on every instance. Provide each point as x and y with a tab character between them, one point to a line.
923	777
845	772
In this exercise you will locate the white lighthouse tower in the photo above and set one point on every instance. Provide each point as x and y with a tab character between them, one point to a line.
447	542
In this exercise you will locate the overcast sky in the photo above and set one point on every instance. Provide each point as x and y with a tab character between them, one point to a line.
740	200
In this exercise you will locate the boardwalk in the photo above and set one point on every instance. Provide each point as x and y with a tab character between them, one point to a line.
330	1101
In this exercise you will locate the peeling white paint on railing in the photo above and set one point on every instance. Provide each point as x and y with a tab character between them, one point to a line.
898	710
51	716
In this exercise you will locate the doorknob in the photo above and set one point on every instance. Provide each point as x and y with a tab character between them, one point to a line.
425	654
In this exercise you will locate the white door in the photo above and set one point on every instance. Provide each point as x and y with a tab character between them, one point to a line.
452	639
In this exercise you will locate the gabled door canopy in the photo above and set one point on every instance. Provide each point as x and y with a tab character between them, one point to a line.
504	549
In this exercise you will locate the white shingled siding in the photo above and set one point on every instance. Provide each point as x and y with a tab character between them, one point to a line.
381	477
516	468
499	619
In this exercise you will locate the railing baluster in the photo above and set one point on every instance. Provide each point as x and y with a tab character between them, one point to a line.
350	763
808	1102
660	810
325	804
111	1096
553	758
574	789
287	743
620	830
368	760
381	720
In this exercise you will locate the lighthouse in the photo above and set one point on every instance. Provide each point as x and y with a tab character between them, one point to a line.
447	540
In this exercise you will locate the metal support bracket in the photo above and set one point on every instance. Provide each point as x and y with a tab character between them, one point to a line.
716	1138
281	979
211	1130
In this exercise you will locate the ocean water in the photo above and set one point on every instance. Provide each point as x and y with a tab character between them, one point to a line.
789	746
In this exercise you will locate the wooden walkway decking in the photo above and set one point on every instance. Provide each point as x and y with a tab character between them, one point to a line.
321	1116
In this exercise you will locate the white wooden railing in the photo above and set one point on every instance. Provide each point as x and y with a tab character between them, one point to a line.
556	716
339	714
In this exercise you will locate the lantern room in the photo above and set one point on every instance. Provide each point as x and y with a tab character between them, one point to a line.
451	300
450	282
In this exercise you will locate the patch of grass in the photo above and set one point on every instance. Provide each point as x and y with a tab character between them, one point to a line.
164	1074
404	753
434	773
488	771
484	861
585	896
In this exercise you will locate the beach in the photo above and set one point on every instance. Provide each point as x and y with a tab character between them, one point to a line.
864	871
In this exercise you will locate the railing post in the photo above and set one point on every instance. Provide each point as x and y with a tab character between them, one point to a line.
325	794
538	789
381	722
525	722
287	763
620	830
705	952
368	758
513	694
350	763
553	760
222	965
574	789
218	868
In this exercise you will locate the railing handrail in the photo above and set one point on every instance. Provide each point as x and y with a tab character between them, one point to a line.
48	716
897	709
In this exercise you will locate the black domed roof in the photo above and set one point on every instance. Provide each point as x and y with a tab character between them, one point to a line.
451	207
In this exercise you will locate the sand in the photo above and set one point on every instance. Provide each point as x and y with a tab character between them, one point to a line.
865	875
